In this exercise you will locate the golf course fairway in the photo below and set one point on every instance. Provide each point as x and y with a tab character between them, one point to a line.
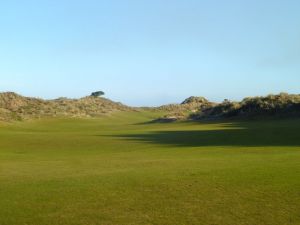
123	170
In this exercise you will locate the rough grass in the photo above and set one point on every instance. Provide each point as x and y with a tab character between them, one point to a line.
14	107
121	170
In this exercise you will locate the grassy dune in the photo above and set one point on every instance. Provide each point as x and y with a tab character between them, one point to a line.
121	170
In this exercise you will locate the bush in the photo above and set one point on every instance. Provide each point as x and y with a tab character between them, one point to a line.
97	94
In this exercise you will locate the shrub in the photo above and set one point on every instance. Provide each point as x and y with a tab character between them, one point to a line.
97	94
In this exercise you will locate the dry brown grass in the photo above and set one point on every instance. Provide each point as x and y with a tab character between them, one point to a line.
17	107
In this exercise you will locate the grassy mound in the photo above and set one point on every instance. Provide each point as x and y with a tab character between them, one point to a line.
282	105
17	107
175	112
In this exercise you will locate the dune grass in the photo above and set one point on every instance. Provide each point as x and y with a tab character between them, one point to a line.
120	170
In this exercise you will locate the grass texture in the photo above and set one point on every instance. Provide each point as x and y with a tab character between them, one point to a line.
121	170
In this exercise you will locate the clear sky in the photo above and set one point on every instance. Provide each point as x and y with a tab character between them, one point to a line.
150	52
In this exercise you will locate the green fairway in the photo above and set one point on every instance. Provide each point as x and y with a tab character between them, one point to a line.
122	170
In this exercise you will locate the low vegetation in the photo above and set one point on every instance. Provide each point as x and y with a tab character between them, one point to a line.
17	107
120	170
175	112
199	108
282	105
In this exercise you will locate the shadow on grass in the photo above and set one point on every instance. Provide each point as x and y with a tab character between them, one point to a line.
238	134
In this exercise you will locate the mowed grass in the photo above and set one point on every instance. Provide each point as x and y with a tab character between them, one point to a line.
121	170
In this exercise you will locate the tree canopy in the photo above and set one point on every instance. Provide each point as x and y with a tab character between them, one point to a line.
97	94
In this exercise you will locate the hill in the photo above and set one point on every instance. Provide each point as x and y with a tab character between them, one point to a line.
199	108
281	105
181	111
17	107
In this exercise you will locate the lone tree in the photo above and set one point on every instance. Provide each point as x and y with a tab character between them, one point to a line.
97	94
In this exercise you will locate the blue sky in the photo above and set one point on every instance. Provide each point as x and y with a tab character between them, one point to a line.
150	52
